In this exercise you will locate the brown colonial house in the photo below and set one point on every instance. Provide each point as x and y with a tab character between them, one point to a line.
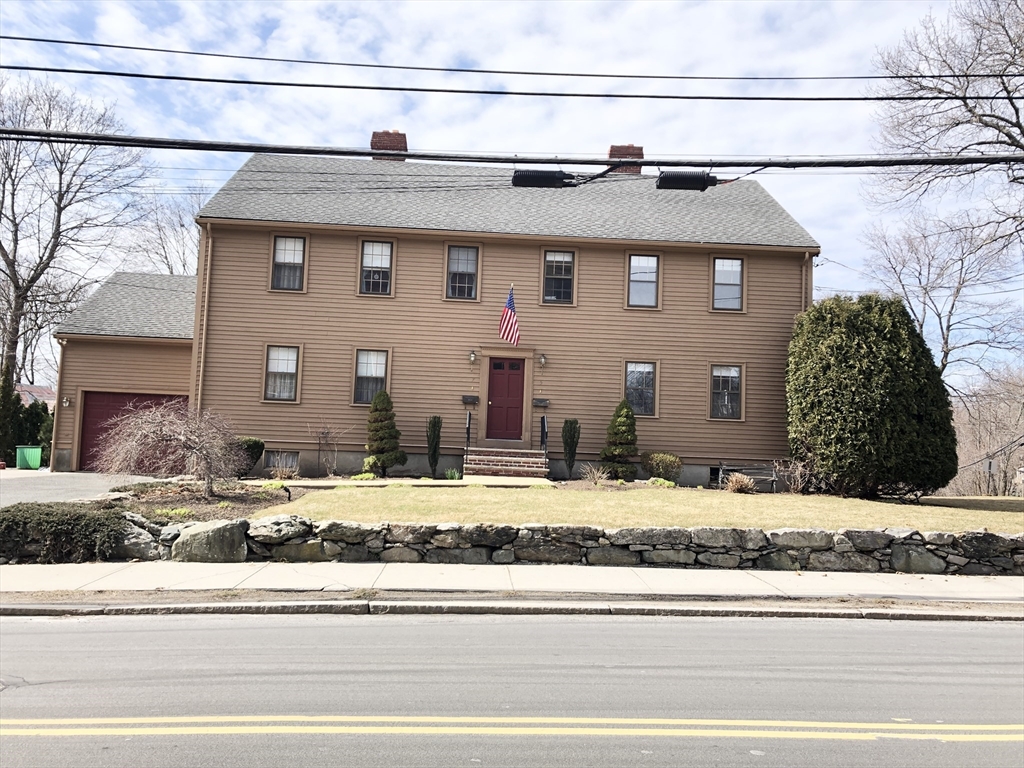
323	280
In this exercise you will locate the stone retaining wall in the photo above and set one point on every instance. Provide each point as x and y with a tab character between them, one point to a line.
294	538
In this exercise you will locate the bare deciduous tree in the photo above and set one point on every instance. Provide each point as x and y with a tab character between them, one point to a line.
961	284
61	204
167	238
975	57
166	438
989	423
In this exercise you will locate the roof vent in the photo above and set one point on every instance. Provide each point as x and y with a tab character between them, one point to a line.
551	179
697	181
625	152
389	141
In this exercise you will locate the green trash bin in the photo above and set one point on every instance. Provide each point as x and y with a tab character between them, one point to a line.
29	456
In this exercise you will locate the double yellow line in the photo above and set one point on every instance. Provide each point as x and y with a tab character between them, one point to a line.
506	726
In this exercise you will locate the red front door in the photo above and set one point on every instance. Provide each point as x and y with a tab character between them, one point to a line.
505	399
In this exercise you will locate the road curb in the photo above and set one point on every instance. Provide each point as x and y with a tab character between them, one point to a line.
495	607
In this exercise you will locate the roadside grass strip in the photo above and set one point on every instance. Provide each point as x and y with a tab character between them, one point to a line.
507	726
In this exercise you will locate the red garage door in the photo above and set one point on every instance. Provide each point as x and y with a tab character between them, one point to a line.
100	407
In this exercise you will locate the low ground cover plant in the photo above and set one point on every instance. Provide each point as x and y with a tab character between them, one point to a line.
64	532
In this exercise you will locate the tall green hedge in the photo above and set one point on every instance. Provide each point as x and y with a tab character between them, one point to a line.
867	409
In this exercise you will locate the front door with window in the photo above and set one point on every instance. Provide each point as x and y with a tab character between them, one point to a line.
505	399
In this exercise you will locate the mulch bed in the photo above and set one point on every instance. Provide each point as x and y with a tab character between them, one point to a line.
171	502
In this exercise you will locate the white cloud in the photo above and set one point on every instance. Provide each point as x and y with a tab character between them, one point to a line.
697	38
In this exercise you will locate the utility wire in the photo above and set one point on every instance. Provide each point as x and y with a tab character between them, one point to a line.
475	71
488	91
114	140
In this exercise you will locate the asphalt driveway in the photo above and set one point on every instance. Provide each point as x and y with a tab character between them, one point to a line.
17	485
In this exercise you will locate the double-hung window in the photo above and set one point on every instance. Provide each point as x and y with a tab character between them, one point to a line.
728	284
463	268
726	392
282	374
640	388
371	374
375	271
289	263
558	276
643	281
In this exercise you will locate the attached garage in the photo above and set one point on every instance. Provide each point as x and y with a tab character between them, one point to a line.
130	342
98	408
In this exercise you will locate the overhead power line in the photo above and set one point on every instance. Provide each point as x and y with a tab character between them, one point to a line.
486	91
473	70
102	139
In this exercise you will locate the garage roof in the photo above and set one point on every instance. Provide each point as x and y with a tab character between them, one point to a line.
132	304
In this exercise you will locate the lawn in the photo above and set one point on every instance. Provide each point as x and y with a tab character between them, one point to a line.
649	507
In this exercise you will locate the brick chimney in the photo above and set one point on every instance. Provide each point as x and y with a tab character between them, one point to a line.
389	140
622	151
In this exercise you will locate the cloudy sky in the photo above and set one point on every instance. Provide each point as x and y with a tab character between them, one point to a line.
687	38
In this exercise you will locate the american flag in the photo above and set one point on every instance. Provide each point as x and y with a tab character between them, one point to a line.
509	328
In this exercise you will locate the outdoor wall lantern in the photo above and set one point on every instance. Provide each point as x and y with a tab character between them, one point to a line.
65	402
472	356
543	360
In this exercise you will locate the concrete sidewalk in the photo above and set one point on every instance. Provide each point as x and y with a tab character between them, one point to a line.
522	581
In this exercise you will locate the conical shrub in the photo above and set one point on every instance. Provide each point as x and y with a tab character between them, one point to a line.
382	435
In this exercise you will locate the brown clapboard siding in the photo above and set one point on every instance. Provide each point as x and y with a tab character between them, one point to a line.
429	340
142	366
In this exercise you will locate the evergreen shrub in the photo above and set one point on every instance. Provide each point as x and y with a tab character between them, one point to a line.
252	449
64	532
434	444
570	441
620	444
667	466
868	412
382	445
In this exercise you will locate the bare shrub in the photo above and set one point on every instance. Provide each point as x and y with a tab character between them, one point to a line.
594	473
165	438
737	482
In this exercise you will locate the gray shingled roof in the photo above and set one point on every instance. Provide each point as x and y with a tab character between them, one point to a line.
375	193
137	305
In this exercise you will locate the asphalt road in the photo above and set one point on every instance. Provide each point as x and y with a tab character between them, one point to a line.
18	485
253	691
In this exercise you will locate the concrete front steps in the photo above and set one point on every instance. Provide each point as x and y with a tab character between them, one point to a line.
505	462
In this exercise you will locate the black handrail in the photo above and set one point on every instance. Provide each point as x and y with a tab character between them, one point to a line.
544	434
469	421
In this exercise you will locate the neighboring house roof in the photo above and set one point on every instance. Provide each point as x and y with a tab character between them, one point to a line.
31	393
406	195
137	305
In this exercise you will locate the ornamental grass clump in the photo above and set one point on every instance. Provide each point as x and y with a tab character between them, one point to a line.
737	482
382	444
620	445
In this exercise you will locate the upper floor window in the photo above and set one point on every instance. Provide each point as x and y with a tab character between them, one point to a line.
282	374
371	374
375	272
558	276
640	388
289	263
725	392
728	290
463	267
643	281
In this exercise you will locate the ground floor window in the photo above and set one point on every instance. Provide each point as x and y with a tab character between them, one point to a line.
371	374
725	392
281	460
640	388
282	374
